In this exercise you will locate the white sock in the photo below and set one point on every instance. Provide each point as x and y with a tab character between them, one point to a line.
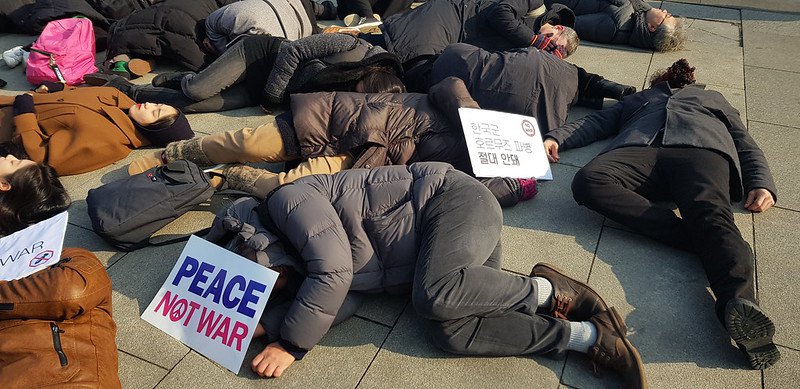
544	291
582	336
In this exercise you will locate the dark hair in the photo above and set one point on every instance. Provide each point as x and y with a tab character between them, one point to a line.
678	75
36	194
380	80
165	121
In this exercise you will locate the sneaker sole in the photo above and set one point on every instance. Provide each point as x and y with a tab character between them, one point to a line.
752	331
622	331
352	20
560	272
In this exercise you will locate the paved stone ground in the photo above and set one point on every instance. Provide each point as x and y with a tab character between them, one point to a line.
749	56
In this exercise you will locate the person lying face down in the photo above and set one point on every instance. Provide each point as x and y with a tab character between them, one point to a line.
525	81
326	132
264	70
628	22
426	230
426	30
680	142
82	129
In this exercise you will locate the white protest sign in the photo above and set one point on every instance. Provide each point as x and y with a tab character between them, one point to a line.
504	144
27	251
212	301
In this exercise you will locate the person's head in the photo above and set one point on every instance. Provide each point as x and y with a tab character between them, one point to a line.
160	123
29	193
678	75
379	80
563	36
152	114
667	30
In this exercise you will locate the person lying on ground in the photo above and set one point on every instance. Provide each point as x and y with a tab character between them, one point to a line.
525	81
679	142
498	25
264	70
290	19
626	22
83	129
427	230
327	132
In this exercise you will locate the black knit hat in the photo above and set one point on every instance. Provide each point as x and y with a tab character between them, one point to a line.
163	133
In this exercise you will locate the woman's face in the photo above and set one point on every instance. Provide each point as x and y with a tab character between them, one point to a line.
148	113
10	165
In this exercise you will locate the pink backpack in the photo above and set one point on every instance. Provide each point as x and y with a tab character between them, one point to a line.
63	52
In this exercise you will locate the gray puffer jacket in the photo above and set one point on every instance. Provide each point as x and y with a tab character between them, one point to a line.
355	231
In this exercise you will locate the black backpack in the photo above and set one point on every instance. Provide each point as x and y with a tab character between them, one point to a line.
127	212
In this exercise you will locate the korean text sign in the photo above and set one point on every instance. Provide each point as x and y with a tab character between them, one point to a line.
211	301
504	145
35	248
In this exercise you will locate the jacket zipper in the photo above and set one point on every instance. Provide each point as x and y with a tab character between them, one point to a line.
62	357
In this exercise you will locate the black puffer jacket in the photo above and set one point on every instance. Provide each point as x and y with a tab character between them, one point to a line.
32	18
522	81
173	29
352	231
608	21
491	24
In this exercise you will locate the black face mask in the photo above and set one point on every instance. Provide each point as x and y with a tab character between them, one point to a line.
641	36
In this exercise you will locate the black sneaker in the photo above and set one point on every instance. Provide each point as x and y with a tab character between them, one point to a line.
328	12
752	331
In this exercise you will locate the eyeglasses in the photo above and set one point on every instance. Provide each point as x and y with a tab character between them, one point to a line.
666	15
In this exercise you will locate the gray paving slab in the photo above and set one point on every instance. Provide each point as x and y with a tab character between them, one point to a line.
778	23
338	361
135	373
383	308
136	279
697	11
784	374
409	360
81	237
772	5
627	65
766	50
662	294
713	32
772	96
776	142
719	65
537	231
776	255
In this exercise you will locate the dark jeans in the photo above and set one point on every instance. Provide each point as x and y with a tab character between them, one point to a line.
218	87
622	185
474	307
366	8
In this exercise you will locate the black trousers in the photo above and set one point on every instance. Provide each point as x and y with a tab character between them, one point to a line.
624	183
474	307
366	8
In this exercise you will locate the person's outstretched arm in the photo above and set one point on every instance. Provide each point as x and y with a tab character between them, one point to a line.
292	54
313	227
759	186
584	131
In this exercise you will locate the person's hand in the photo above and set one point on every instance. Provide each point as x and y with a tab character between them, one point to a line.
272	361
551	149
759	200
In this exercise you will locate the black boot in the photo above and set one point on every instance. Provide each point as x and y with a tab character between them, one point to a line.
171	80
612	90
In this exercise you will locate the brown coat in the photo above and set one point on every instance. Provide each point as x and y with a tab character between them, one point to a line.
66	305
77	130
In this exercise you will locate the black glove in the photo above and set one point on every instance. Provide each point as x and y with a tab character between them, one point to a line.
23	104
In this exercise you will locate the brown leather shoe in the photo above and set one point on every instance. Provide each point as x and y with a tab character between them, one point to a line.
572	300
612	350
146	162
